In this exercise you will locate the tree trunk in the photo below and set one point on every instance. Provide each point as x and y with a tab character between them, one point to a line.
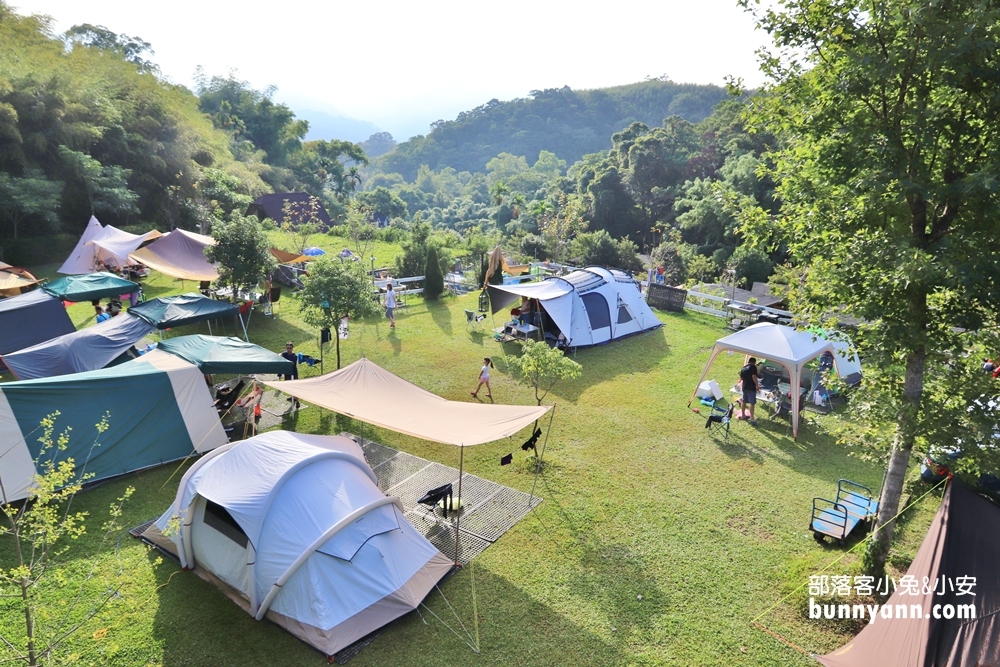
899	459
29	622
336	337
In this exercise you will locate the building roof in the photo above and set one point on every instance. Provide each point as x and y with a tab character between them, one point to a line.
743	296
273	206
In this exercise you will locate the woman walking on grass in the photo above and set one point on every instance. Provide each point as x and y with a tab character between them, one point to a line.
484	378
390	306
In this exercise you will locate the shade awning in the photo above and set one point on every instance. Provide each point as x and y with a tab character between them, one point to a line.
366	391
284	257
218	354
114	250
179	254
90	287
176	311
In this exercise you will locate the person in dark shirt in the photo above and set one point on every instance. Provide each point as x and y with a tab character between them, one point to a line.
749	376
294	358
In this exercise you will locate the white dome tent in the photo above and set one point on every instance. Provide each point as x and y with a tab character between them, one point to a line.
590	306
294	527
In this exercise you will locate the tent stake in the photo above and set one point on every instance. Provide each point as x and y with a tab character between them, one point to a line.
458	513
538	464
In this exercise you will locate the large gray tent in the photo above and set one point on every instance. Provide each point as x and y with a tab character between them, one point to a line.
294	528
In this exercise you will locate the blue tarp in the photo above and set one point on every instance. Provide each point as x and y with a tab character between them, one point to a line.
85	350
31	318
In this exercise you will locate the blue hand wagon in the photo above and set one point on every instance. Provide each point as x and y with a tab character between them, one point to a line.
837	518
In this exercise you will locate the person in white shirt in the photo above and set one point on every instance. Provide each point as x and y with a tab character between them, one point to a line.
390	306
484	378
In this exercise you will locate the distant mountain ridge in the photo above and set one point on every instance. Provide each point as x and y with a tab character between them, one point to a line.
325	125
567	122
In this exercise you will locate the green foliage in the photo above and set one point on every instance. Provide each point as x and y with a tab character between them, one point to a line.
334	290
31	196
130	49
414	258
668	255
106	186
382	202
242	252
533	245
225	193
37	250
43	530
751	265
96	117
887	195
433	277
598	248
541	367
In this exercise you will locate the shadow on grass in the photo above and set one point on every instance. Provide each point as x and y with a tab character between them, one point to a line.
603	363
395	342
441	314
610	574
192	615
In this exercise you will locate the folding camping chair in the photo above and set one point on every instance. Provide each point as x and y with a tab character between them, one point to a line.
718	421
474	322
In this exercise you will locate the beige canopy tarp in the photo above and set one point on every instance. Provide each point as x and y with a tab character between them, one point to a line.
366	391
14	280
179	254
285	257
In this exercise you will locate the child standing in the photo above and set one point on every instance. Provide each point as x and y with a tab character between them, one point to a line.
484	378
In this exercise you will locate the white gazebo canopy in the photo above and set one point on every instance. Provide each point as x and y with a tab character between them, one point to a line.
786	346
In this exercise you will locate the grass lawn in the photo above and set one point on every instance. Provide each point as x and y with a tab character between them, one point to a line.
655	545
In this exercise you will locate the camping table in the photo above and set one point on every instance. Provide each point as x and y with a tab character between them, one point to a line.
744	312
525	331
512	332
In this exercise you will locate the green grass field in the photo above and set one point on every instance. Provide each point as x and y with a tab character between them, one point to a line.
655	544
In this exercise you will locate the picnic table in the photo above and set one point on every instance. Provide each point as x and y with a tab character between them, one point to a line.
515	331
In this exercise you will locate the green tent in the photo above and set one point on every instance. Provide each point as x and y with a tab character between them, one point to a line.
176	311
90	287
158	406
216	354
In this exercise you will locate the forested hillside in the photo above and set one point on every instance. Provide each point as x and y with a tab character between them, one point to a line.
568	123
87	126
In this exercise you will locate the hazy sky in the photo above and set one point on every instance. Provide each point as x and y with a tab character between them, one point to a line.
404	64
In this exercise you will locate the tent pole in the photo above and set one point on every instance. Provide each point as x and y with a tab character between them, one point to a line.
458	512
704	374
538	465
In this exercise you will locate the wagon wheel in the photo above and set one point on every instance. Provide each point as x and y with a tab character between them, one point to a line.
818	536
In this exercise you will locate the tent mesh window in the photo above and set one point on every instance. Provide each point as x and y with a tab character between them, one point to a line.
217	517
666	297
597	310
623	314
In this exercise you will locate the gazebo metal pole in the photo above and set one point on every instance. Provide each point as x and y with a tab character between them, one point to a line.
458	512
538	466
